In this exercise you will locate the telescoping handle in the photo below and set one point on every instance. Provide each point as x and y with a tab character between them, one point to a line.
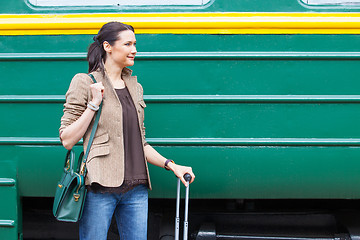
187	178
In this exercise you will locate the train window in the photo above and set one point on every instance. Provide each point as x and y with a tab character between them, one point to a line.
332	2
126	3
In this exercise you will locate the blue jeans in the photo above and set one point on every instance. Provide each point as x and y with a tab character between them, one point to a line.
130	210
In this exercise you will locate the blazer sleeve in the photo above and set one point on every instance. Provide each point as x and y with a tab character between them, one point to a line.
141	99
77	98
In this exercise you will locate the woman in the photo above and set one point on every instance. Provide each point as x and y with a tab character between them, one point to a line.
117	179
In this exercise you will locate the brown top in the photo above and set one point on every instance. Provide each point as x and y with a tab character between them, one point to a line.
134	153
135	170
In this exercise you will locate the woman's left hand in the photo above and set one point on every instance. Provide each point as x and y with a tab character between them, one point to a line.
180	171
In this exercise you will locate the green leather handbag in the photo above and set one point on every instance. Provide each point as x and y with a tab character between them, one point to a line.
71	191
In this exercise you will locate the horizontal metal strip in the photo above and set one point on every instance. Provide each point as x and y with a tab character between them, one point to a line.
42	56
7	223
32	99
254	141
207	141
248	55
252	98
29	141
201	98
188	56
7	182
184	23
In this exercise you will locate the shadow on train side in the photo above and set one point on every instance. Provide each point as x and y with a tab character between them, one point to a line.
228	219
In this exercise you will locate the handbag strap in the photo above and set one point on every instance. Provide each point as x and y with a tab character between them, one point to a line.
96	122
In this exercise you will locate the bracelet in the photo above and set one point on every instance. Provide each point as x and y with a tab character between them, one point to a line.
167	162
92	106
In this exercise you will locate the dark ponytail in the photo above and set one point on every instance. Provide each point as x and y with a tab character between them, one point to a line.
109	33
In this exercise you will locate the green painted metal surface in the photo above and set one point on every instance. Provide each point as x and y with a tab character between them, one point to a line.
266	172
10	209
256	116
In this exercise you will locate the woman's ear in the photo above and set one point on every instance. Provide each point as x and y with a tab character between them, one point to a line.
107	47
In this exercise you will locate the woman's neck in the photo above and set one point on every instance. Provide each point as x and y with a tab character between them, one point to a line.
114	74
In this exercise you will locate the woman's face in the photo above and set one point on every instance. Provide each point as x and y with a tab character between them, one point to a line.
124	49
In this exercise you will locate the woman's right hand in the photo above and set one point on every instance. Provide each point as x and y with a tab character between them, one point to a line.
97	91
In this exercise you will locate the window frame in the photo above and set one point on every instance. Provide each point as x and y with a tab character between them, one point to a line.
118	3
349	3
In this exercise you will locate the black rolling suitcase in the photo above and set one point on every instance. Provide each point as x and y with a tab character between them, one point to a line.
187	178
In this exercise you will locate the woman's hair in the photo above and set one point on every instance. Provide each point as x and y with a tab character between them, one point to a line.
110	33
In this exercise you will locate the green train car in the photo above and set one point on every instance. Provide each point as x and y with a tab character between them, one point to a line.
260	97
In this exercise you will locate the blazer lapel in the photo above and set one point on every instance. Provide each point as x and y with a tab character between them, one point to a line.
131	84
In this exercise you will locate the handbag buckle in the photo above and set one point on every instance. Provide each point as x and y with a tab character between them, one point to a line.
82	169
76	197
67	165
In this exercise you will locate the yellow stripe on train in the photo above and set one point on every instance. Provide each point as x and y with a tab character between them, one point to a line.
184	23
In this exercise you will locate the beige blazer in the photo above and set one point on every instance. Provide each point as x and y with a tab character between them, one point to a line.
105	163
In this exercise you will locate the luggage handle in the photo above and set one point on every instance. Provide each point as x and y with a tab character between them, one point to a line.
187	178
